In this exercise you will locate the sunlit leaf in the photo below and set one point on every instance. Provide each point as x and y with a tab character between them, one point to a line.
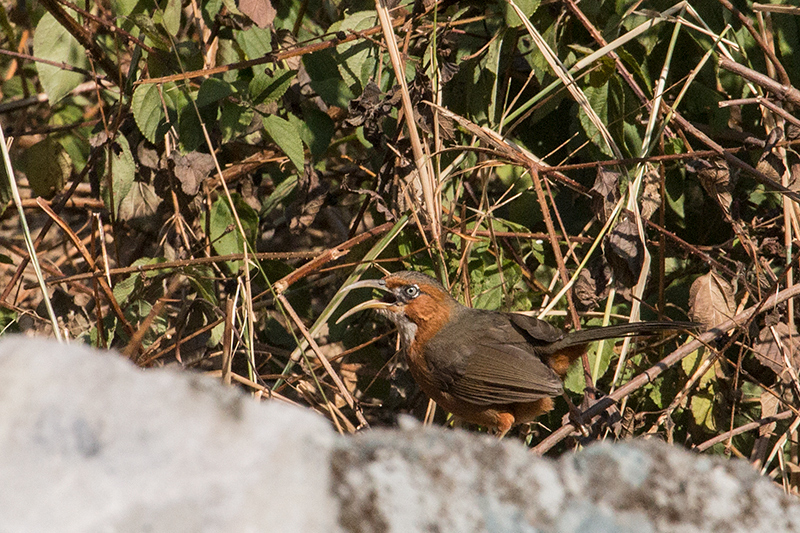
47	167
285	135
52	41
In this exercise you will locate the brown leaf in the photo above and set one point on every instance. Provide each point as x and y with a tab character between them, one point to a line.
771	163
711	300
592	285
769	353
624	252
605	193
651	196
260	12
715	177
420	91
191	169
311	193
794	176
370	109
283	39
139	207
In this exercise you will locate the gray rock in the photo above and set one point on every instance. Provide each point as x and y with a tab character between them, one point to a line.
90	443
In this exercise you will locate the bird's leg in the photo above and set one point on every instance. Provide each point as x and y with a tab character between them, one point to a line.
575	416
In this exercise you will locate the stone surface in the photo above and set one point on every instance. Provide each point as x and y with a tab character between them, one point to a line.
90	443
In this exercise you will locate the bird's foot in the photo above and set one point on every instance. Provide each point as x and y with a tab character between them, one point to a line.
576	417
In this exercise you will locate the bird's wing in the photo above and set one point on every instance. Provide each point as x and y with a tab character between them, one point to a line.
537	330
493	363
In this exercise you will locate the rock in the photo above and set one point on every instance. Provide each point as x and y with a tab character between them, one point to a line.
433	480
90	443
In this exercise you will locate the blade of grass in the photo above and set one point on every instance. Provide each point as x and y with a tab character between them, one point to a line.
566	78
26	233
422	163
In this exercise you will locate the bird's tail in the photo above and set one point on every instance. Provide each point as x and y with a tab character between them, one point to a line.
583	337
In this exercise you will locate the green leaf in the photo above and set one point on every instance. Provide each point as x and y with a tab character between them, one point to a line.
636	67
123	8
356	58
47	167
201	277
598	98
265	88
255	42
148	111
172	16
286	136
233	120
528	7
691	362
212	91
156	34
124	288
325	78
316	129
75	143
225	236
189	129
703	410
601	72
279	195
8	321
575	381
120	170
53	42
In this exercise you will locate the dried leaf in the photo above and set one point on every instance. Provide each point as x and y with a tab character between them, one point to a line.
711	300
420	91
715	177
624	252
769	407
651	196
311	194
147	155
771	163
769	353
191	170
605	193
139	206
593	283
370	109
794	176
260	12
283	39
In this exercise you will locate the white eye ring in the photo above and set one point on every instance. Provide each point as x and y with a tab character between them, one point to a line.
412	291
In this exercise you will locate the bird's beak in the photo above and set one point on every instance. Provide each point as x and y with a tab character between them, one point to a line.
370	304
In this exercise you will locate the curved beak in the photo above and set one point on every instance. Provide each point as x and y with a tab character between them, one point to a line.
369	304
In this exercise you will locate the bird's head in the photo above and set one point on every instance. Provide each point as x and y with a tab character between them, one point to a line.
413	301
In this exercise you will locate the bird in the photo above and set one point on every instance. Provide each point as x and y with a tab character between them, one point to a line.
491	368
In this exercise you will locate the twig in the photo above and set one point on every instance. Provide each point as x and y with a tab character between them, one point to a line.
703	446
324	360
269	58
757	36
89	261
424	170
653	372
782	91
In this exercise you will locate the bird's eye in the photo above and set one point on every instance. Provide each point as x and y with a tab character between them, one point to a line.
412	291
